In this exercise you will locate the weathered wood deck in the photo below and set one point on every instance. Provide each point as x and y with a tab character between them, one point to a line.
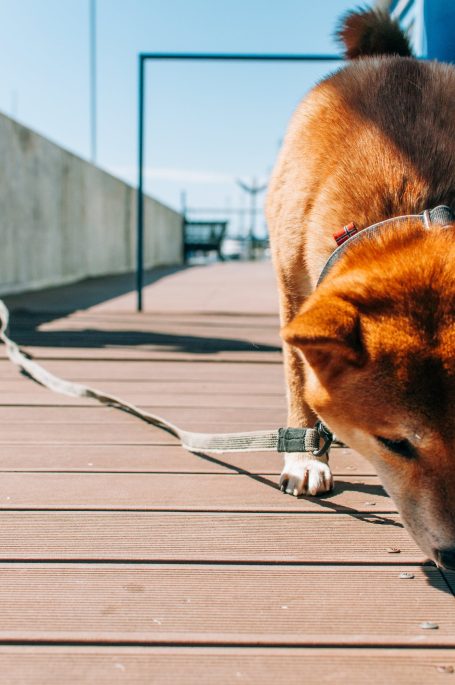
124	559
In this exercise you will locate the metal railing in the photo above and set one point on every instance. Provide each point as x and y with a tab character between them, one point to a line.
145	57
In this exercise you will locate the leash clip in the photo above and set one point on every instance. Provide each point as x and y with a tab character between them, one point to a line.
327	437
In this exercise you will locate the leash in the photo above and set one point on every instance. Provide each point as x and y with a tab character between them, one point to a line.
281	440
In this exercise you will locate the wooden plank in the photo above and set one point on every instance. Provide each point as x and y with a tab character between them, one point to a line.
157	458
22	391
224	666
114	457
43	398
194	370
222	401
8	370
181	492
116	433
151	388
273	416
124	353
170	388
97	413
136	333
234	350
221	538
137	433
108	415
151	401
209	327
146	321
229	605
168	391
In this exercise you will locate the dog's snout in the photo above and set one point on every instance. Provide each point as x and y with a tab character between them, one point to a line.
446	557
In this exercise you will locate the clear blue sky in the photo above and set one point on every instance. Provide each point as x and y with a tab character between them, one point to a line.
206	124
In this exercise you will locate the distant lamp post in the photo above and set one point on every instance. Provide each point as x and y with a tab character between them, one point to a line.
92	22
253	190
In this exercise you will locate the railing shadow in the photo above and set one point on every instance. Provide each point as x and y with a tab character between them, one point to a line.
166	341
52	303
31	311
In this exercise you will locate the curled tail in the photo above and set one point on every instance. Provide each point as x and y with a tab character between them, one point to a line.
371	32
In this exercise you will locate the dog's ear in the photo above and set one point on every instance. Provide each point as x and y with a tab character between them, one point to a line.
328	333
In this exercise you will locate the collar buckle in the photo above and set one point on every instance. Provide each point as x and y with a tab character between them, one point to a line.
327	437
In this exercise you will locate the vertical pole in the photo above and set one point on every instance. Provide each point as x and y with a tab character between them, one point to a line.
93	81
252	217
140	191
14	109
183	205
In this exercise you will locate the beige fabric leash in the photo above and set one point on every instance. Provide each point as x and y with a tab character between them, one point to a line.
281	440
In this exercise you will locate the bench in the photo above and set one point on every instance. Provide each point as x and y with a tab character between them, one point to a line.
203	236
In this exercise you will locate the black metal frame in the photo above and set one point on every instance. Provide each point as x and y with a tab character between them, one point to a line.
159	56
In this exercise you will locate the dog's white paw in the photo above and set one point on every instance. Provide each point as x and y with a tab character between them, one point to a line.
303	475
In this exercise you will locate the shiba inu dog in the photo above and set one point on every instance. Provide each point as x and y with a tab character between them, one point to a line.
370	350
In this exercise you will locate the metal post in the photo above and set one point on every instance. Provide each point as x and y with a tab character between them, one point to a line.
183	209
140	192
183	203
144	57
253	191
253	196
93	81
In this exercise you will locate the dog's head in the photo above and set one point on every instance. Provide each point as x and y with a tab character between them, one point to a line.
378	341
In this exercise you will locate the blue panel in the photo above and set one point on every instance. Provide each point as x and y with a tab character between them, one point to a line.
439	16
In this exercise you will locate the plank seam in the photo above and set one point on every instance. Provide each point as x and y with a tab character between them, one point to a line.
36	642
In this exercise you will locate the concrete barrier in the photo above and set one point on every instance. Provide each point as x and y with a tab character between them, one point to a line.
63	219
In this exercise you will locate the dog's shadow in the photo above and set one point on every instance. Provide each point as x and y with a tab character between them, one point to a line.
439	579
325	501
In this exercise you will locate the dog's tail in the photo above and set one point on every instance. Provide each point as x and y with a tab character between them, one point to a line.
371	32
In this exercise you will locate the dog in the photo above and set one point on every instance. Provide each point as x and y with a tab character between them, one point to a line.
370	351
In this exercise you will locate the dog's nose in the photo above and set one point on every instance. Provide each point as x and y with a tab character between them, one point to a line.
447	557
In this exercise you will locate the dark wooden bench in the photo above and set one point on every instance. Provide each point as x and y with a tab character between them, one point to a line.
203	236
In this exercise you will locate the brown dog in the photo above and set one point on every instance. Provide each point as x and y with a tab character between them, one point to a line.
371	350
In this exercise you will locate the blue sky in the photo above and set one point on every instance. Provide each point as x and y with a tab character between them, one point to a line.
206	123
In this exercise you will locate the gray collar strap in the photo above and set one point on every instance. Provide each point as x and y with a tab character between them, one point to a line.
439	216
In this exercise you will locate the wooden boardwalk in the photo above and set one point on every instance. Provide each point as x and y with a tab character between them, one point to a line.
125	559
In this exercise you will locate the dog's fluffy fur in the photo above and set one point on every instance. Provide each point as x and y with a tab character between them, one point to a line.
371	351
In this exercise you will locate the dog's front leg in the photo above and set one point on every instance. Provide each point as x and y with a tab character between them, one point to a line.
303	472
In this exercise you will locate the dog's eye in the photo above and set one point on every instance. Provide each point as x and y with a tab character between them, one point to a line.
401	447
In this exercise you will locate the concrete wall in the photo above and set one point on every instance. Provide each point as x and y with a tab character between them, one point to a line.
63	219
